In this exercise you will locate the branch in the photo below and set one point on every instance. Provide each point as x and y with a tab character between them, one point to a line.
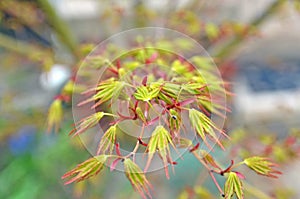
60	27
231	46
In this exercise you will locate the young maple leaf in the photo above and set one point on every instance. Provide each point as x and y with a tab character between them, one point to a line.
55	115
262	166
194	88
107	142
233	185
89	122
86	169
144	93
171	89
137	178
104	92
159	141
204	126
208	159
141	114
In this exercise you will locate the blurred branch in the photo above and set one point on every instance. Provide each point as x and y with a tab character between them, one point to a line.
60	27
17	46
228	48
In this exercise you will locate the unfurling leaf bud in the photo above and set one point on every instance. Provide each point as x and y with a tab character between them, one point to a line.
55	115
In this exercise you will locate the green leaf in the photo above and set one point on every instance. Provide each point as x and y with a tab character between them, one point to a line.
262	166
171	89
89	122
184	143
140	114
159	141
105	91
193	88
233	185
208	159
107	141
86	169
137	178
145	94
204	126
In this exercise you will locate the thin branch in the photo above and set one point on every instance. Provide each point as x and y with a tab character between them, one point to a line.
209	170
20	47
60	27
231	46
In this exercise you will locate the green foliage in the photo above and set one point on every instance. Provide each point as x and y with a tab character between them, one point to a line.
204	126
89	122
160	141
108	140
262	166
137	178
86	169
146	94
233	185
105	91
181	87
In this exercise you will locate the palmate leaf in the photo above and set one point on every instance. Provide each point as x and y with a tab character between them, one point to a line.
233	185
171	89
104	92
194	88
204	126
262	166
89	122
168	90
207	104
165	98
160	141
137	178
86	169
144	93
107	141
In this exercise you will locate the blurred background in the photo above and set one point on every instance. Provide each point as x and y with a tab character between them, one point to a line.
255	44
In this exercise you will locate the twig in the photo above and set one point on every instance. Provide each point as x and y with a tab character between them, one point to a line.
60	27
20	47
228	48
209	170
